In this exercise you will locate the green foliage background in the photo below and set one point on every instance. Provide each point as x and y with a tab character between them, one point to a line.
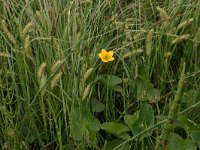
55	93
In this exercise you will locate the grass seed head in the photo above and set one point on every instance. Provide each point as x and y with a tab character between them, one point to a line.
7	32
55	80
162	13
56	65
86	91
88	73
4	26
133	53
41	69
185	23
27	28
27	44
42	83
181	38
164	17
149	42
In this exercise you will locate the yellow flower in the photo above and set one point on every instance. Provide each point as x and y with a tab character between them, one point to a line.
106	56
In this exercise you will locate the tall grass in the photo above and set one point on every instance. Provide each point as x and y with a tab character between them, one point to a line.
57	94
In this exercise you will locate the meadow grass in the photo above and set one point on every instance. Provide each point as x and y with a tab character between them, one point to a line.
56	93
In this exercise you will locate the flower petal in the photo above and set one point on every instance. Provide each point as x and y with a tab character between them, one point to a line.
111	59
110	53
100	55
104	60
103	51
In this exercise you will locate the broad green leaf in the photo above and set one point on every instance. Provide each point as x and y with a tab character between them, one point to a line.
110	145
97	106
91	121
145	89
134	123
116	88
189	145
114	128
109	80
176	142
83	124
137	127
90	136
145	119
195	136
146	115
124	136
130	119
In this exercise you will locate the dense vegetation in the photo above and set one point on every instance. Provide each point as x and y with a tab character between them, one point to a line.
56	93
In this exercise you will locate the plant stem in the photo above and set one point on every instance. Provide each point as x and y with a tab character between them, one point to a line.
172	116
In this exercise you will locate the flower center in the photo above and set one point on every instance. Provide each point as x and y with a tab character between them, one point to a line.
106	56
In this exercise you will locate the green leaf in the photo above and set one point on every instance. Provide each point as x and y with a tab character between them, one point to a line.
137	127
134	123
109	80
114	128
189	145
195	136
91	121
176	142
130	119
110	145
124	136
142	121
146	115
97	106
117	88
83	124
146	90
